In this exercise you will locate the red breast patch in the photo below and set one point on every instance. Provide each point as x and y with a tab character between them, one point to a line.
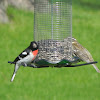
35	53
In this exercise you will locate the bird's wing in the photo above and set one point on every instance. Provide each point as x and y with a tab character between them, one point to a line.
23	54
82	52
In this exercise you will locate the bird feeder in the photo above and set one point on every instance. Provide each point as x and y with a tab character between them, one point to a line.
53	34
53	31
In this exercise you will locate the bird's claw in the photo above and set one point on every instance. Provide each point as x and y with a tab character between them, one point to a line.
34	66
24	64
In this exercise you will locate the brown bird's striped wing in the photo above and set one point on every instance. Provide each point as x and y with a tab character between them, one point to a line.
82	53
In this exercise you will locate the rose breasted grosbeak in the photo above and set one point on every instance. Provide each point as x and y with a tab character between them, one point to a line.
26	57
82	53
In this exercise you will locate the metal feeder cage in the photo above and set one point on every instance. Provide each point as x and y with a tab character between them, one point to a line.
53	31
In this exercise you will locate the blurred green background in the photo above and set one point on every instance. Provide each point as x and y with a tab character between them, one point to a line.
82	83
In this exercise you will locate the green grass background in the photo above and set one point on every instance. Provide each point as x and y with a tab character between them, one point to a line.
82	83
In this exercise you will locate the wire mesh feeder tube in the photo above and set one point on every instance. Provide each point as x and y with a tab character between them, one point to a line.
53	30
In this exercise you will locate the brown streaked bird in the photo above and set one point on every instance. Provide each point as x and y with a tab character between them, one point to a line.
82	53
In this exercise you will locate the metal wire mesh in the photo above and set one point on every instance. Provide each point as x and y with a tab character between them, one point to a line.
53	29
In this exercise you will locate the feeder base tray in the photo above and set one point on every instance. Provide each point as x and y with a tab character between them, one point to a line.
44	62
63	63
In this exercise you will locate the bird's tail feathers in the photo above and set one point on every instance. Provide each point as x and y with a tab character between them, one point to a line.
96	68
15	70
13	77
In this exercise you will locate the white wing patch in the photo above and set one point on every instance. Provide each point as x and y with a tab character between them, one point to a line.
27	59
24	53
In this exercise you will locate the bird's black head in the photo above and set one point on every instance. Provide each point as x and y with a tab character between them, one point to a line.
33	46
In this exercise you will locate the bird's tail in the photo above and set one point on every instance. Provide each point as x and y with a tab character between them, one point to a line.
15	70
96	68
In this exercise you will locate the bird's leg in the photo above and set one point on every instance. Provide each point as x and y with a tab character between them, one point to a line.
15	70
96	68
24	64
32	65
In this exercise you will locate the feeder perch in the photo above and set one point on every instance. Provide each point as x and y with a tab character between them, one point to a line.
53	31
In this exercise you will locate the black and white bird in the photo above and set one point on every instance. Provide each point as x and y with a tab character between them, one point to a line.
82	53
26	57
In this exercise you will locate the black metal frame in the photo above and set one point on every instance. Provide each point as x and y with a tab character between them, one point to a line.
77	65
